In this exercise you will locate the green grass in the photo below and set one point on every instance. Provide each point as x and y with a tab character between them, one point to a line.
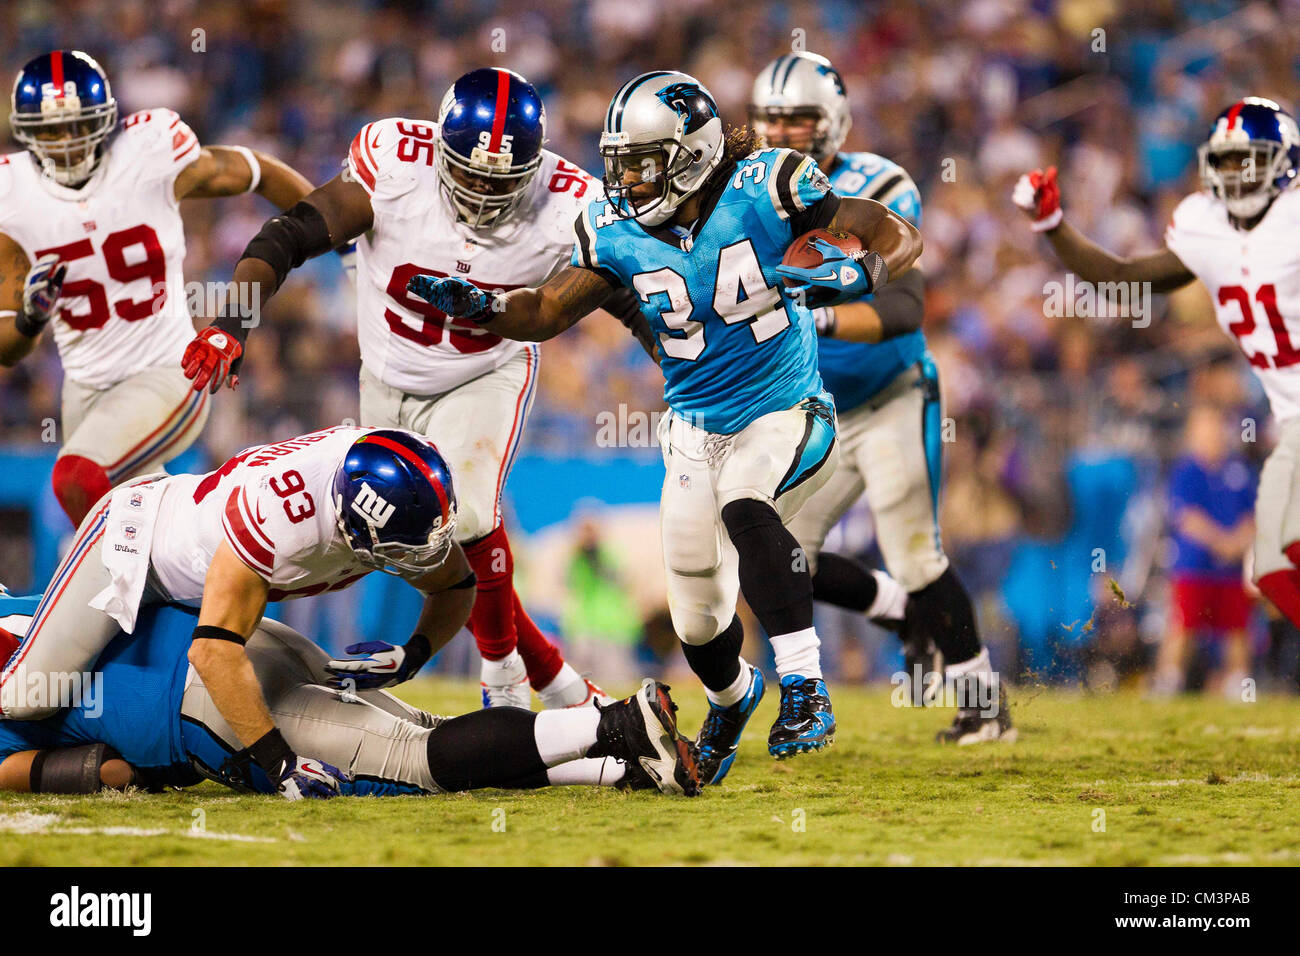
1180	782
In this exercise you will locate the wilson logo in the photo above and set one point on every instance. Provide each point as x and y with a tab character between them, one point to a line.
373	508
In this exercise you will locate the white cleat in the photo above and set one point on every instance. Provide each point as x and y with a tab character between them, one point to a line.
504	683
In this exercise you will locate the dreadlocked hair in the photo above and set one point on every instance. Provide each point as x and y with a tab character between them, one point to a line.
740	142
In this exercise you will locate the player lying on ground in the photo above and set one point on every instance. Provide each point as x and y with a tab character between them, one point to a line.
1238	237
473	194
92	245
287	520
888	409
150	720
695	222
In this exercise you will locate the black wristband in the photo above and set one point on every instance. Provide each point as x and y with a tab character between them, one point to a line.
418	651
206	632
29	326
272	753
468	581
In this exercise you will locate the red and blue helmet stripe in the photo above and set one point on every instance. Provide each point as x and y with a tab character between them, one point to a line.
494	110
1256	120
68	92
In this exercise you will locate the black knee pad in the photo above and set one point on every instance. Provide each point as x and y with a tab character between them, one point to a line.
773	569
488	748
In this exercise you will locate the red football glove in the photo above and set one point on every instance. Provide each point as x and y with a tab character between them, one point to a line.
210	359
1038	194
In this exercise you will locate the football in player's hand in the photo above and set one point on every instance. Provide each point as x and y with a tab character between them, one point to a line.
802	255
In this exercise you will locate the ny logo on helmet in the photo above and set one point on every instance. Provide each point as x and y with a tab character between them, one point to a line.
373	508
689	101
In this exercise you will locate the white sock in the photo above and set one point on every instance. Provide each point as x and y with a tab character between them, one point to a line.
732	693
979	664
564	735
959	681
891	599
588	771
507	670
565	689
798	653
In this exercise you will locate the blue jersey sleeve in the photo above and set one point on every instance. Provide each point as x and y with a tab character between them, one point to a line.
589	251
868	176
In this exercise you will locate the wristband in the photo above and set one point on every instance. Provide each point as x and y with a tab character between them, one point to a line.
207	632
27	325
1048	222
254	166
418	651
272	753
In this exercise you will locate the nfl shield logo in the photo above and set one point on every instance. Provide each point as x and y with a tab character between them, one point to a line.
129	531
684	481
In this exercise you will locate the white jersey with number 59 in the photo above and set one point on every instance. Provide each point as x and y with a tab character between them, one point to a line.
405	342
1254	280
123	306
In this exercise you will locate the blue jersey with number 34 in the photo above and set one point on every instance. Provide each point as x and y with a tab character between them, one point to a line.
733	344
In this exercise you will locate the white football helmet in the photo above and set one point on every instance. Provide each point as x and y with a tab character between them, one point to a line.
797	84
661	128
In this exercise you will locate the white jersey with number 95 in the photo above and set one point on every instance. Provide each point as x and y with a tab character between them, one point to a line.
405	342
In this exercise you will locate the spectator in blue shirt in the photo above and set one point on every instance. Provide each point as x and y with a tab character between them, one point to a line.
1211	501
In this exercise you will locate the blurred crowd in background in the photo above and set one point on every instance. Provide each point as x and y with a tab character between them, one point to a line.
1066	431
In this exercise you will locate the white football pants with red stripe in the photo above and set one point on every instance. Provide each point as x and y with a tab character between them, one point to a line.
130	429
66	635
476	427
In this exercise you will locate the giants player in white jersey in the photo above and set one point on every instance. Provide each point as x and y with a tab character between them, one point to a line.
1239	238
93	211
288	520
473	195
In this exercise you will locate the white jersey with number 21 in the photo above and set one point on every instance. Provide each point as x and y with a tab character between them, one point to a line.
1254	280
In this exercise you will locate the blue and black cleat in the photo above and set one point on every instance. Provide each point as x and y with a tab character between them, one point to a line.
805	722
718	739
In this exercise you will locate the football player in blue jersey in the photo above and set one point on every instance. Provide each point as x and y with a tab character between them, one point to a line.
695	220
143	717
875	364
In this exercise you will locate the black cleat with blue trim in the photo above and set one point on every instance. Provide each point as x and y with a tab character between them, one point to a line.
805	722
718	739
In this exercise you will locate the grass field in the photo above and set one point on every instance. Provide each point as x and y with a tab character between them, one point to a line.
1188	781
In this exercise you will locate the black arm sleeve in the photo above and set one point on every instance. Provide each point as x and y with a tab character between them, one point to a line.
816	216
625	305
290	239
901	304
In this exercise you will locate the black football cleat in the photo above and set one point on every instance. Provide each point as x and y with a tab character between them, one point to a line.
641	731
805	722
973	727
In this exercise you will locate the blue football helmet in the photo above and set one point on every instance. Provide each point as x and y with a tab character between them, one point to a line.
62	111
491	128
394	502
1252	154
